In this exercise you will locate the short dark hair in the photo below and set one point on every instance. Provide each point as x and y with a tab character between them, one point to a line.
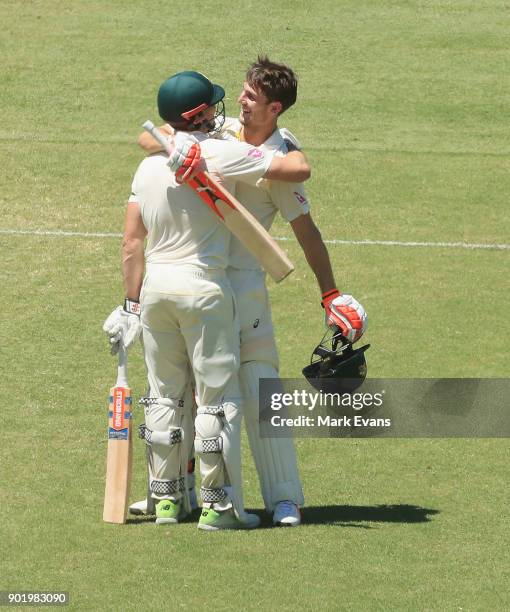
277	82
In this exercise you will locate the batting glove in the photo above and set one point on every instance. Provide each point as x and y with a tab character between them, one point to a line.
123	325
185	158
345	313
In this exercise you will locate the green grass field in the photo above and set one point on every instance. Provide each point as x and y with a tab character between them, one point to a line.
404	111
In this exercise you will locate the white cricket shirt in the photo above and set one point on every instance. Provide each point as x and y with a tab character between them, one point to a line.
181	228
266	198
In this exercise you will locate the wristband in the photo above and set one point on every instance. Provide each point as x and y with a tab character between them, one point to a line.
330	295
132	306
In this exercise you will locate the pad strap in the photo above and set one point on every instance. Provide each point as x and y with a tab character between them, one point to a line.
211	496
214	410
168	487
147	401
166	438
208	445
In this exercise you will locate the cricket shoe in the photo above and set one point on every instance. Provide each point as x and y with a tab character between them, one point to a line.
286	514
214	520
139	508
169	512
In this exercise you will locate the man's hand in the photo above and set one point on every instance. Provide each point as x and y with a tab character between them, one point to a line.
185	159
345	313
123	325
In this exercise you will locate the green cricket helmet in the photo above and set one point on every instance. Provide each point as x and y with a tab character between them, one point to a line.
336	369
186	94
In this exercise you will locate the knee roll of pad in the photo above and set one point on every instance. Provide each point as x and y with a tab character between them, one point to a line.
209	425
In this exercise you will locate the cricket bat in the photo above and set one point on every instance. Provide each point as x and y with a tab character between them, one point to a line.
120	446
250	232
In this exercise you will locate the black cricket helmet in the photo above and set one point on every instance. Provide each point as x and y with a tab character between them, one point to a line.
335	367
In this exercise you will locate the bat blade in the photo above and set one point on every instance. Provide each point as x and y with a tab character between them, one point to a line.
250	232
120	452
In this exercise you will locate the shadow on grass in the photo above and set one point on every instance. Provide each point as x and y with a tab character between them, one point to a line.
348	516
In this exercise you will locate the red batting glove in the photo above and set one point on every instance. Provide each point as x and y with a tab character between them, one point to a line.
185	157
189	164
345	313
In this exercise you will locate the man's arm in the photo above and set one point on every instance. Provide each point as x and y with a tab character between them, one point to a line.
133	252
342	310
149	144
123	325
316	252
293	168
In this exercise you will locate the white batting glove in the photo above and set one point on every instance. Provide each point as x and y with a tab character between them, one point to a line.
345	313
123	325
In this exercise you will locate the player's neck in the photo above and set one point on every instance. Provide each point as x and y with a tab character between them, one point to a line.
257	135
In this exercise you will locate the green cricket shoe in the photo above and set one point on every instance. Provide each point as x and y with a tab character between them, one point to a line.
212	520
169	512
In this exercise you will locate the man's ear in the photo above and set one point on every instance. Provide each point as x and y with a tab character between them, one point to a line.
276	107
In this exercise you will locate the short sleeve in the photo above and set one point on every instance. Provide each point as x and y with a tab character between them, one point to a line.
290	199
134	196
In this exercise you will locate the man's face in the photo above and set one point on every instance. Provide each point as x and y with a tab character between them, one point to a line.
208	115
256	110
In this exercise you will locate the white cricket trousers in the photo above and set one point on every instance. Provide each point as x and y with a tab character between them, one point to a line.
190	332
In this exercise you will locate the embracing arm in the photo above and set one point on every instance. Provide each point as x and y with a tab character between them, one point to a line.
149	144
293	167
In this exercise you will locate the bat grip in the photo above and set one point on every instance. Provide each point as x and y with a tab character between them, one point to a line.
122	367
148	126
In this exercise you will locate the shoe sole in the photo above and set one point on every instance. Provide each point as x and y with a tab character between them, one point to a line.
166	521
137	512
210	527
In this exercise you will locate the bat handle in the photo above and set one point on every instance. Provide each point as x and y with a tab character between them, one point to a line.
148	126
122	367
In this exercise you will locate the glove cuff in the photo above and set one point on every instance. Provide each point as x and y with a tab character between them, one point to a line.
330	295
132	306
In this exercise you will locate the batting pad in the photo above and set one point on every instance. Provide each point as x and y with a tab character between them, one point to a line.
168	461
275	458
218	443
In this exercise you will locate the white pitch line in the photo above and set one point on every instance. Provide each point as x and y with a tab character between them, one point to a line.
62	233
450	245
397	243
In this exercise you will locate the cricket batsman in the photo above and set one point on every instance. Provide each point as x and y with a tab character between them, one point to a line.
268	91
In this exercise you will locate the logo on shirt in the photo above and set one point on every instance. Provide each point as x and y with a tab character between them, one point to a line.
299	197
255	153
